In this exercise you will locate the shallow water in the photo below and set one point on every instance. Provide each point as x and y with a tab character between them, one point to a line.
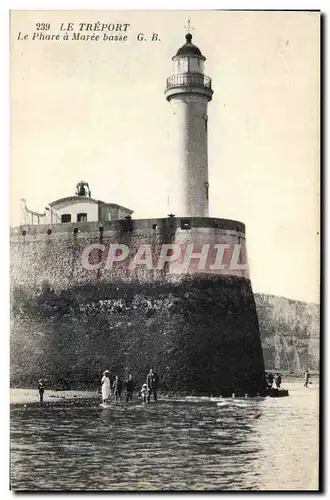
171	445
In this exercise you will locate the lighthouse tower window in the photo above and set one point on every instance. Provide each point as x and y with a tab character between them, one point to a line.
206	185
205	121
81	217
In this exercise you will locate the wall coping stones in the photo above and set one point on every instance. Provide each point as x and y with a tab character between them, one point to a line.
131	225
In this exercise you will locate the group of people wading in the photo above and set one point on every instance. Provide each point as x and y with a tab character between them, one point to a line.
115	388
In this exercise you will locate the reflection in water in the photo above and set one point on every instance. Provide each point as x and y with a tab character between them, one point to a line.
170	445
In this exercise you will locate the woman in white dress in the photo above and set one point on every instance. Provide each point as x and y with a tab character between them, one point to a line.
105	383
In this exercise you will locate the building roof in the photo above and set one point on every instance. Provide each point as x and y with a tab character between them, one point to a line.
189	48
85	199
74	199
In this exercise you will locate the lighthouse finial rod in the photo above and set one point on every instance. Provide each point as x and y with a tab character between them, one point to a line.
188	29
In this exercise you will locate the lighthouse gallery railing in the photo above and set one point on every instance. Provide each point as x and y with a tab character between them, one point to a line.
192	79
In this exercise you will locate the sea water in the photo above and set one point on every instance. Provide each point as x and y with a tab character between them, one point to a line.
176	445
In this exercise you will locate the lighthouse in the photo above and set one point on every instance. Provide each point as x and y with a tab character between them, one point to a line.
188	91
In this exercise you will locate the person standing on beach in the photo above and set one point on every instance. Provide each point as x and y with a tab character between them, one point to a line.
117	388
152	383
105	385
270	378
307	378
279	380
129	388
41	389
274	389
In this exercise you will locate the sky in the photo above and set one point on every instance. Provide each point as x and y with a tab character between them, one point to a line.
96	110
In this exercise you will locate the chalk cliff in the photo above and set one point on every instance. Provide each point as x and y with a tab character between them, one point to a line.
290	333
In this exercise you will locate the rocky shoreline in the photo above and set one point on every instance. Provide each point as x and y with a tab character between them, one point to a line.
30	397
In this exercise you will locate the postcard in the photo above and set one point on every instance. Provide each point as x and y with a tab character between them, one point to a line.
164	250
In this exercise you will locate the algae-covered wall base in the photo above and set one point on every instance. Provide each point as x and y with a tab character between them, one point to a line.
200	334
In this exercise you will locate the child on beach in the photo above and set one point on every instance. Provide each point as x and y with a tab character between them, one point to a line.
144	392
117	387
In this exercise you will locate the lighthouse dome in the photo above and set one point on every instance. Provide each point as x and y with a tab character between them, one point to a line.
189	48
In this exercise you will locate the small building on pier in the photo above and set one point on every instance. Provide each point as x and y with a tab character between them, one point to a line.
78	208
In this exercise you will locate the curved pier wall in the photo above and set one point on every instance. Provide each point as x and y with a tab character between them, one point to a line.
197	327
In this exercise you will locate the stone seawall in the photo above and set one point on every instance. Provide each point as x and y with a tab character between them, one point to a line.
199	330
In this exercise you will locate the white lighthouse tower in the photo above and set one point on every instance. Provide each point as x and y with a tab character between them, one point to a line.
189	91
